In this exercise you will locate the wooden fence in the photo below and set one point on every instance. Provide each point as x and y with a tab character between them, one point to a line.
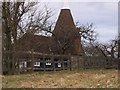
100	62
93	62
21	62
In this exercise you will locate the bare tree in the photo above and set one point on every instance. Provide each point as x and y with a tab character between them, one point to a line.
65	43
21	17
111	49
87	33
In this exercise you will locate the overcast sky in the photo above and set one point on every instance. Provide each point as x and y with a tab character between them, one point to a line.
104	15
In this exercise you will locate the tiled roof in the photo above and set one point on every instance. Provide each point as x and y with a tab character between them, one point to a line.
36	42
64	30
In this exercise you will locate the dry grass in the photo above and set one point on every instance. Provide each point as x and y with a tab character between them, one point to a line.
64	79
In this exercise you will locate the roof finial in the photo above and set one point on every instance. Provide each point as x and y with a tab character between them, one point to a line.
65	4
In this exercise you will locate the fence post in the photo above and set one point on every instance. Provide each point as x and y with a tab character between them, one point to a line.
62	62
32	62
70	62
18	62
18	65
13	63
78	62
53	63
9	62
44	62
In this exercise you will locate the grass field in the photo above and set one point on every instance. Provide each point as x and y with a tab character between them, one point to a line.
63	79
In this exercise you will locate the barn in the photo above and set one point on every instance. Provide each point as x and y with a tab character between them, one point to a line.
60	51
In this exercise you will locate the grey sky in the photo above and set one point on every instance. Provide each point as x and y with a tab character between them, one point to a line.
104	15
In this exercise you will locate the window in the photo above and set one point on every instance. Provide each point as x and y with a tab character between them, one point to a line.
23	64
37	64
48	63
59	64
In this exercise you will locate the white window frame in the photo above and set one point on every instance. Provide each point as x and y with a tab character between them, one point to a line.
37	63
48	63
59	65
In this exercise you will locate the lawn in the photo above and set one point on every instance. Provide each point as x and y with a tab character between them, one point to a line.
89	78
